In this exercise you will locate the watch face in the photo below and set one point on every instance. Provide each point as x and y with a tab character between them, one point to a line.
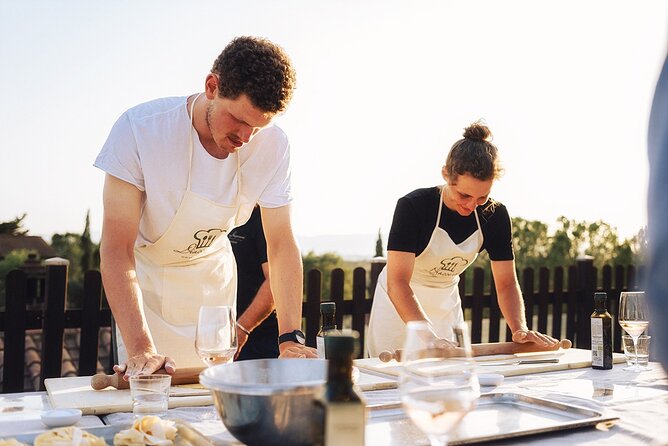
300	338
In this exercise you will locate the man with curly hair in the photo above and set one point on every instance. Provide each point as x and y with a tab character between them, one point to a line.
180	174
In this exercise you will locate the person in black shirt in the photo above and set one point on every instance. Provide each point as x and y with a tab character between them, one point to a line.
436	234
257	327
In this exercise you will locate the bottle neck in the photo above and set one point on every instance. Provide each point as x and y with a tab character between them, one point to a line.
599	307
328	321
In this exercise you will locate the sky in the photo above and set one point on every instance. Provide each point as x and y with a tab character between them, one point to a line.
384	90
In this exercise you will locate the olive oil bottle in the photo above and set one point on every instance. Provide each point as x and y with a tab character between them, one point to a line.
328	316
343	408
601	334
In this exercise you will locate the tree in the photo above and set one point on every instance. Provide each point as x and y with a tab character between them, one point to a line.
13	260
531	243
83	255
14	227
379	245
87	246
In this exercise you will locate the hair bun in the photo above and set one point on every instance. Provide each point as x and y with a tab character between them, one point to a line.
478	132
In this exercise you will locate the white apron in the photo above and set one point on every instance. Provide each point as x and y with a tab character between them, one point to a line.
190	265
434	282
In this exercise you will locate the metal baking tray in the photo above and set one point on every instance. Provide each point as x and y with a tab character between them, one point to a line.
185	436
497	416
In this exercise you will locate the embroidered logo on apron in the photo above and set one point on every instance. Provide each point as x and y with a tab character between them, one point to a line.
203	239
452	266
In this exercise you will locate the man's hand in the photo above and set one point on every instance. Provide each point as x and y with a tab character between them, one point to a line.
524	335
296	350
145	364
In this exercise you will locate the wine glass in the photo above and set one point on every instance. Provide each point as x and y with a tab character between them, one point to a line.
634	319
216	338
438	384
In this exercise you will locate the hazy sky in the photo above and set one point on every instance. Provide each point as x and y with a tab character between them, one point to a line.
384	89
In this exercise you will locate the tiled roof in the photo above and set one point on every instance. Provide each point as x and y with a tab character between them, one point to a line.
71	339
10	243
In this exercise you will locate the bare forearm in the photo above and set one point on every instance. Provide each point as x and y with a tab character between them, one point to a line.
259	309
404	301
124	296
286	276
512	307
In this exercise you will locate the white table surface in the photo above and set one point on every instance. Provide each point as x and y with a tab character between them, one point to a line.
20	413
640	400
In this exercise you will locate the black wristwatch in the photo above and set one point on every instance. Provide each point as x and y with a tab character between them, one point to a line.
294	336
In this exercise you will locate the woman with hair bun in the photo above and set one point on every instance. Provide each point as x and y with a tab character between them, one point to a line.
437	232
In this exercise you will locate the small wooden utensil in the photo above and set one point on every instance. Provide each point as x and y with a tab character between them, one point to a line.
494	348
180	376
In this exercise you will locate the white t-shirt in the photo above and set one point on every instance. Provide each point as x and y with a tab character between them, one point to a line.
148	147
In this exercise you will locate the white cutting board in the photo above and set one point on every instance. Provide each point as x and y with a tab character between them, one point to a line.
76	393
573	358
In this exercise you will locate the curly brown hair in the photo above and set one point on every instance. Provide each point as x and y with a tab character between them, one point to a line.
474	155
258	68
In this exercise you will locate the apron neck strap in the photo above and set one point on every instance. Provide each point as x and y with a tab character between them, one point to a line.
191	144
191	149
440	207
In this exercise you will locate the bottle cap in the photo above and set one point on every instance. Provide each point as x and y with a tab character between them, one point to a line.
600	297
342	345
328	307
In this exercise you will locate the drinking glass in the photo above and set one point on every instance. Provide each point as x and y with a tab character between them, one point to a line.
634	319
438	383
216	338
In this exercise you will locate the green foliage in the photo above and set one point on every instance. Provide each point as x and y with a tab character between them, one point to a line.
14	227
535	247
13	260
83	255
325	263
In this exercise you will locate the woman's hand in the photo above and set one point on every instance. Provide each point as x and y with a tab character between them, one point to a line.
242	338
525	335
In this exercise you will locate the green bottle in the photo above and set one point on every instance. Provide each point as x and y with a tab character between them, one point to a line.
601	334
343	408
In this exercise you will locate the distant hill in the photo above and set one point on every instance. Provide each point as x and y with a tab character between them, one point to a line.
348	246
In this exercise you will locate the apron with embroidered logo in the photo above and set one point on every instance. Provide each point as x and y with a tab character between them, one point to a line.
434	283
190	265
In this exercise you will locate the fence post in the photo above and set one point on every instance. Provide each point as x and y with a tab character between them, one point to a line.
311	308
359	310
585	304
54	318
15	332
90	323
377	265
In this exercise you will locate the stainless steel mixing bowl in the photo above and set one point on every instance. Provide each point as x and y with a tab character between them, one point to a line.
269	401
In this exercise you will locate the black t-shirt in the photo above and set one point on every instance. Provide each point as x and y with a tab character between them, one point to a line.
250	252
415	219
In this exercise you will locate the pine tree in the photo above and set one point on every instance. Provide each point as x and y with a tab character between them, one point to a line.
379	245
87	247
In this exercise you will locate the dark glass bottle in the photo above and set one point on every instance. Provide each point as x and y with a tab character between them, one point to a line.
328	318
343	409
601	334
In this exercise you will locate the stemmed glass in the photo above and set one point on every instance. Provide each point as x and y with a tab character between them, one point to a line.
216	338
438	384
634	319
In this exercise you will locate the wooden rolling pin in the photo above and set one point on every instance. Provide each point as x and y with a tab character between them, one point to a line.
494	348
180	376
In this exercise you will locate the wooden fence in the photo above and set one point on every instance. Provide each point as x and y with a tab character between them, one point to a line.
561	310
